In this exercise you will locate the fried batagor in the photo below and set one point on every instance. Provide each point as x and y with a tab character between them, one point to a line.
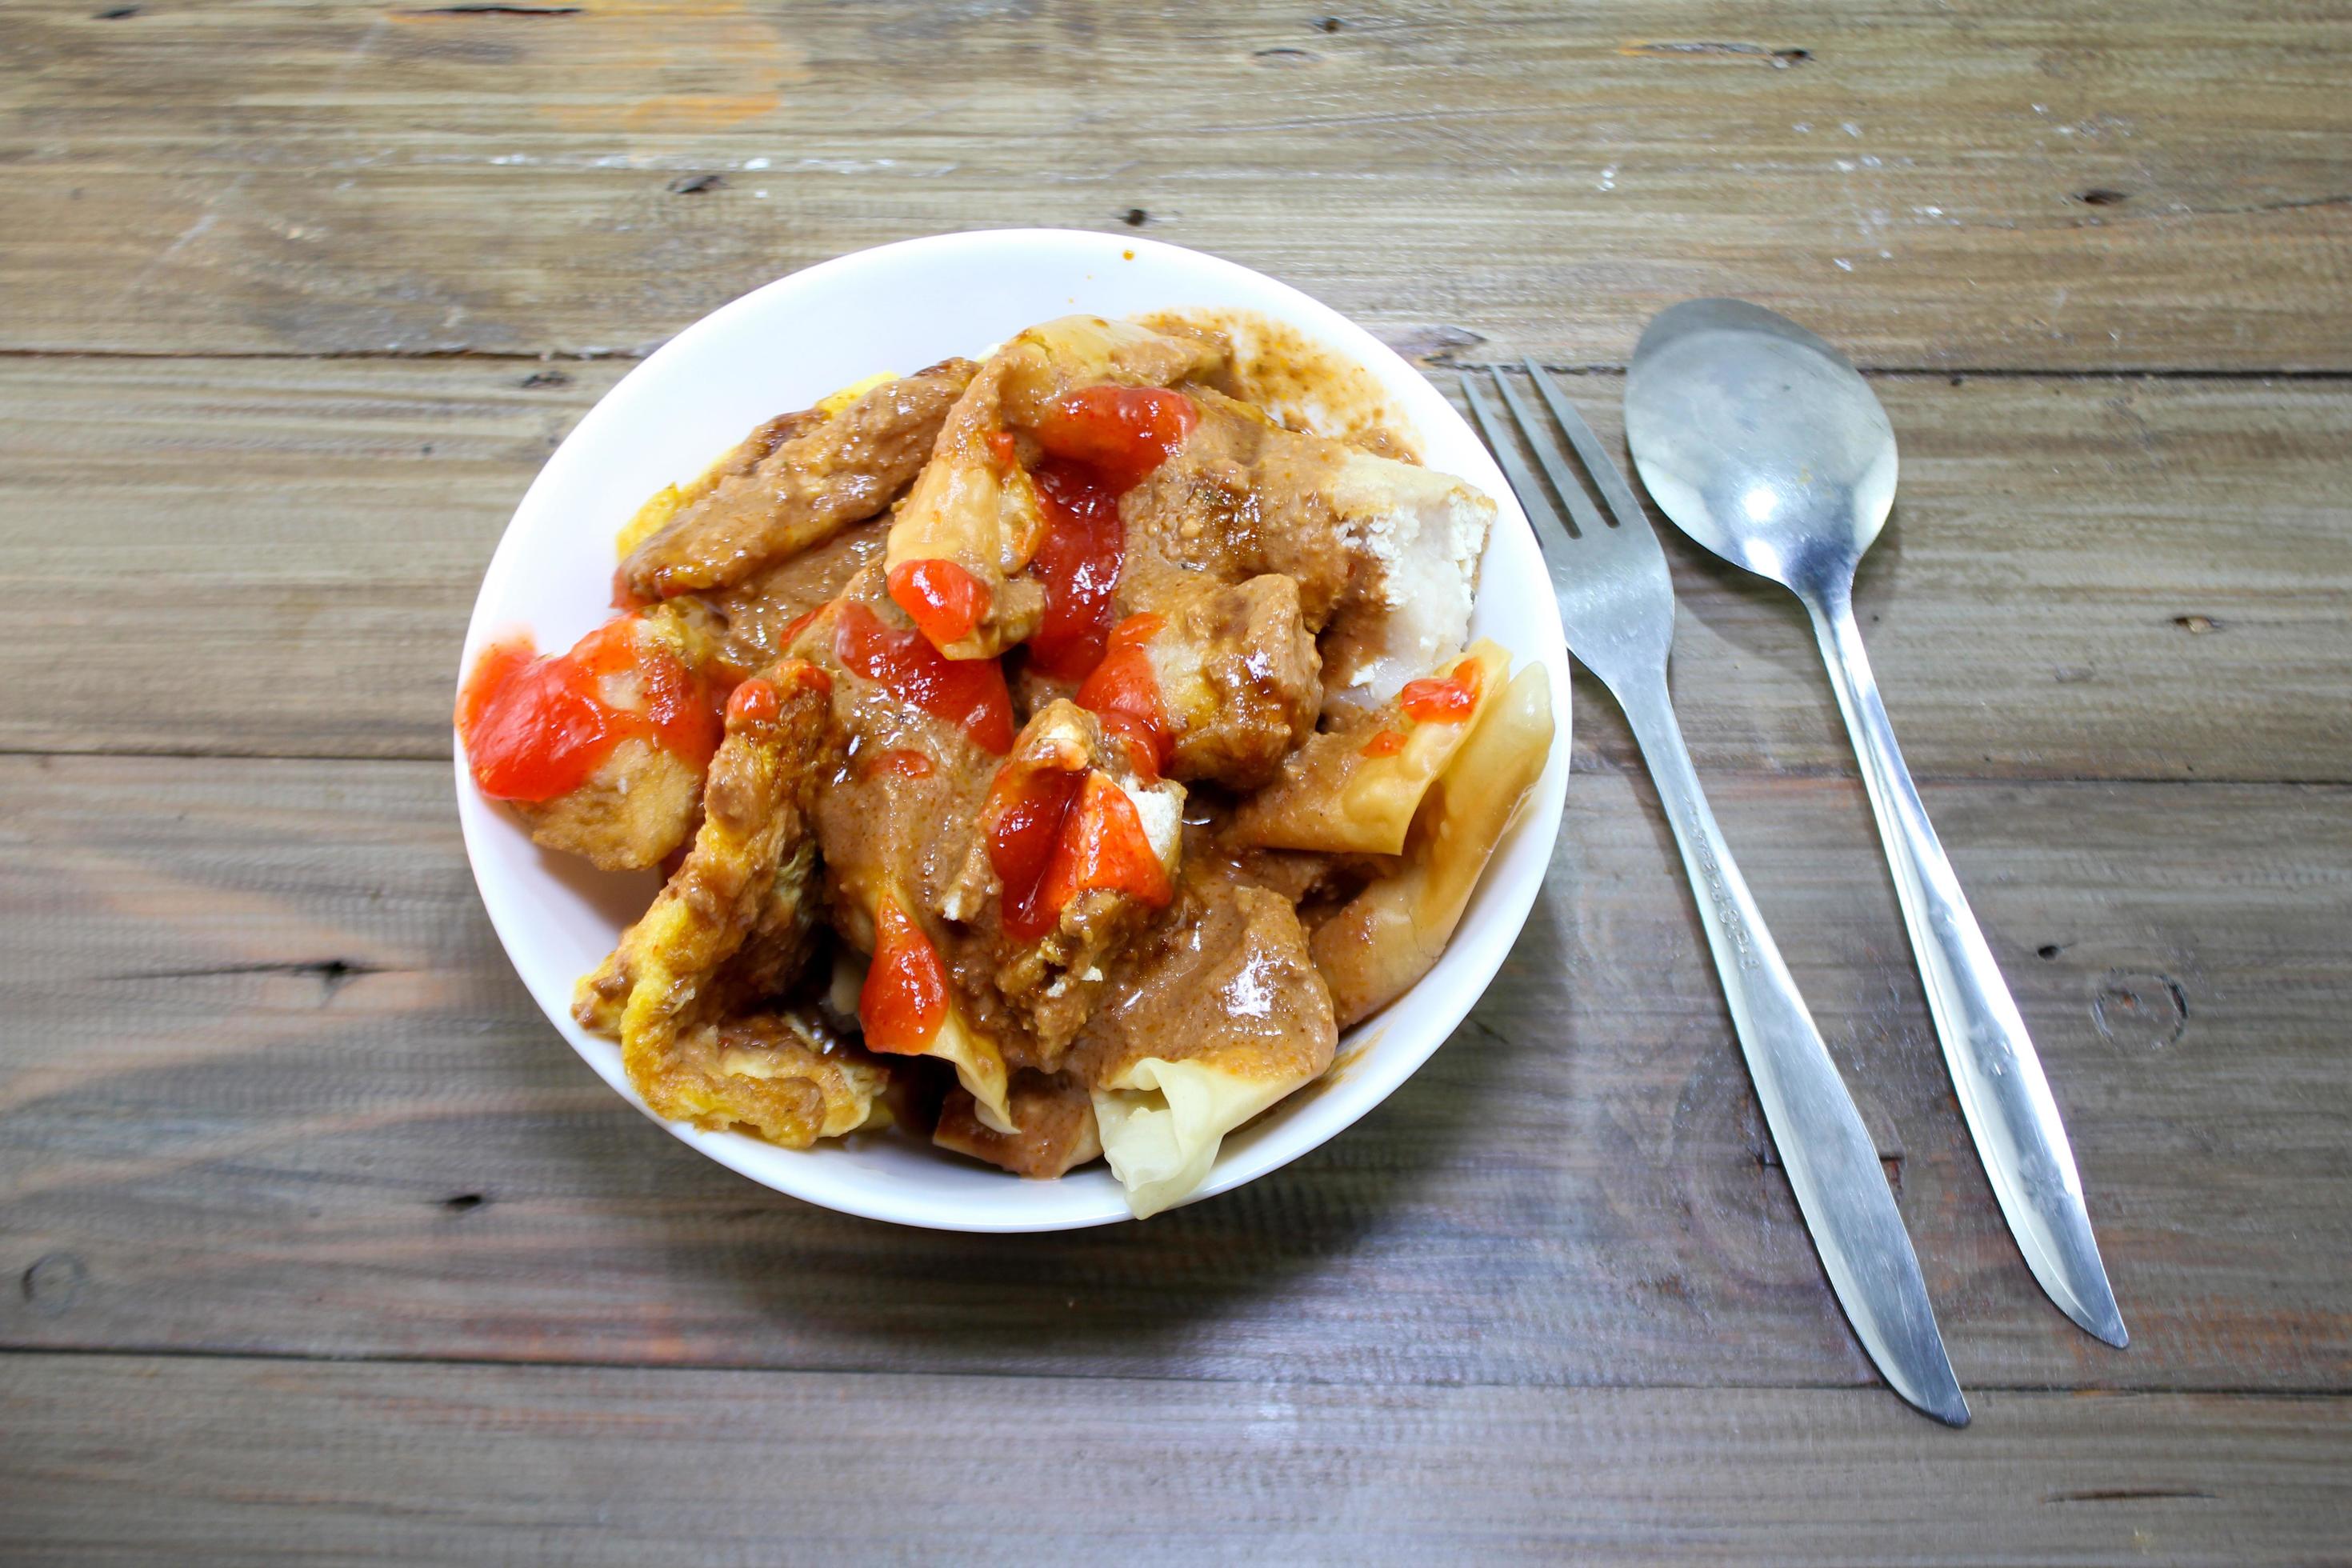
747	875
601	749
820	475
973	523
1223	679
1385	553
1080	846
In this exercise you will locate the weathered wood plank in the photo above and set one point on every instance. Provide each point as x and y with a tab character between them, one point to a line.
269	1085
2098	578
131	1459
2104	187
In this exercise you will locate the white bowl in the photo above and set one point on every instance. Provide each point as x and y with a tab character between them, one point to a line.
896	307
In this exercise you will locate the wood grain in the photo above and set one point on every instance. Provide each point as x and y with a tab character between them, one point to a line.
2159	188
621	1466
270	1086
2093	578
268	1092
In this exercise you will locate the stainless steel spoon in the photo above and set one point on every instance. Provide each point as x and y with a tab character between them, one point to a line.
1759	441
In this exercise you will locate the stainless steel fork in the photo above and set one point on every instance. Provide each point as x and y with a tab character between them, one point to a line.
1617	605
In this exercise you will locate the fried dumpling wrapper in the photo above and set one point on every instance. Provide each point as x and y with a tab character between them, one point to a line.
747	873
972	522
808	476
1378	943
1355	790
1221	1013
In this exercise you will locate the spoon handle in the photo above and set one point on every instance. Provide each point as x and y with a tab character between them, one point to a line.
2003	1095
1830	1161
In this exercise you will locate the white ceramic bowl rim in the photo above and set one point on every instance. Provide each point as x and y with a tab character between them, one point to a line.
797	339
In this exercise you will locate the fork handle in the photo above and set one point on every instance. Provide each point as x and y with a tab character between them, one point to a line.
2003	1095
1829	1158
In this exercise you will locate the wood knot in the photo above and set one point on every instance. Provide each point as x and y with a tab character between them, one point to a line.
2141	1010
1330	24
695	184
464	1202
53	1282
2100	197
2197	626
546	378
1135	218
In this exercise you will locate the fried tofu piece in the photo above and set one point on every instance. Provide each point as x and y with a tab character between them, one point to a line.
815	478
630	815
1056	1116
644	671
1385	553
1235	671
1081	850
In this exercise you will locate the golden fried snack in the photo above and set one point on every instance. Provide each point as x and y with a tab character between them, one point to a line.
973	521
748	873
1385	553
1384	938
600	748
1355	790
784	1075
1056	1120
1081	849
819	477
1217	1012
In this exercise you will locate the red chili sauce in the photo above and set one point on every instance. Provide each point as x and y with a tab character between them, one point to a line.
1099	443
946	601
1124	694
535	728
1440	700
905	998
1055	834
967	693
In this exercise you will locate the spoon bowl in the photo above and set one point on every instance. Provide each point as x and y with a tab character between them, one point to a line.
1759	440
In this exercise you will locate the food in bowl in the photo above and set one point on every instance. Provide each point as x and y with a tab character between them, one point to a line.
1049	754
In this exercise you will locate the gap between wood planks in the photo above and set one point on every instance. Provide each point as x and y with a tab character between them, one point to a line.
1028	1374
1445	362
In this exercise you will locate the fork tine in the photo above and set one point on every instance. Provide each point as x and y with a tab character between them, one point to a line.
1611	483
1555	461
1524	483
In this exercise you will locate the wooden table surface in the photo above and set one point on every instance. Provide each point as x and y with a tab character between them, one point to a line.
317	1240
